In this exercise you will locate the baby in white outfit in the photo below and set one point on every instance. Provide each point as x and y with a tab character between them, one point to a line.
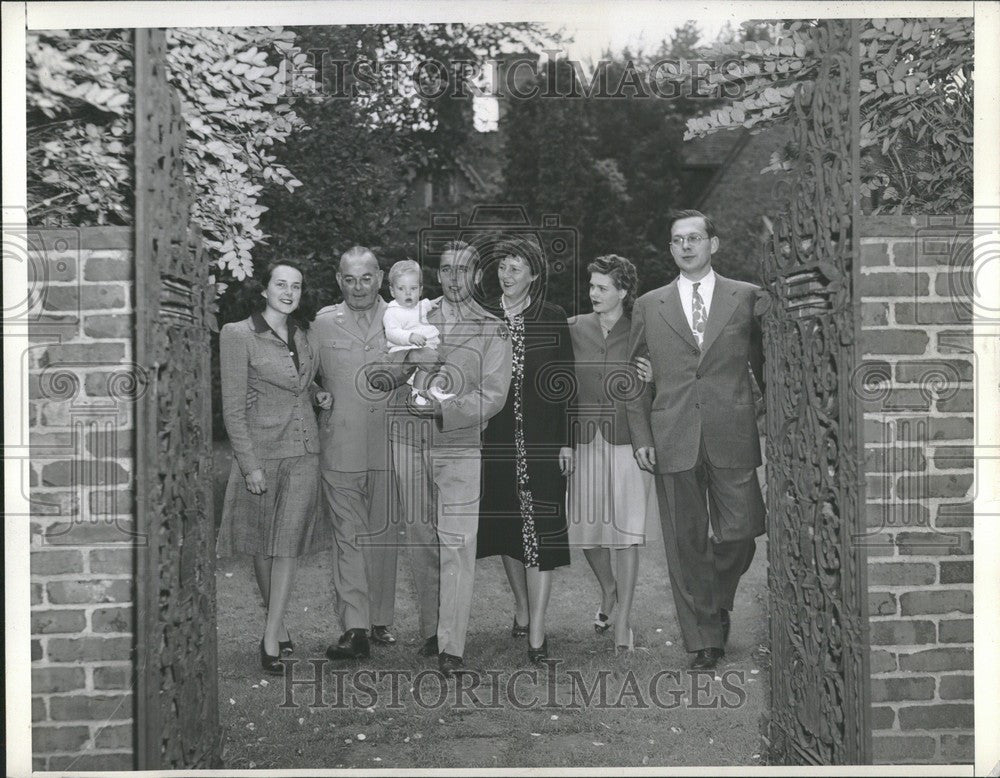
406	326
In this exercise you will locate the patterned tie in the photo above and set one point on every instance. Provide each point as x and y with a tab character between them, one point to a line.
698	315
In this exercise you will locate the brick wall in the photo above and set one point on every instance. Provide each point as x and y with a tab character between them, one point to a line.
916	381
82	554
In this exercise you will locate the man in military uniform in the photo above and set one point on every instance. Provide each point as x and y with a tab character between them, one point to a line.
355	462
436	450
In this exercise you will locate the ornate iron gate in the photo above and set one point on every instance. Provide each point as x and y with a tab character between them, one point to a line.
176	705
817	570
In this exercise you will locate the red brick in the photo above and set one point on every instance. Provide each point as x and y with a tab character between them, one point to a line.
83	354
940	716
955	630
108	269
112	620
113	677
881	603
882	661
894	460
91	532
956	283
877	544
956	572
106	762
925	313
874	314
901	574
86	298
111	502
874	254
58	738
45	680
894	749
938	602
951	428
877	487
883	717
958	749
88	472
36	594
109	325
38	710
897	515
898	400
88	592
41	442
84	707
894	341
935	543
956	687
36	650
954	514
937	659
46	561
49	622
60	269
905	283
921	487
877	431
962	401
89	649
902	633
955	341
112	560
114	442
954	458
114	736
929	371
902	252
898	689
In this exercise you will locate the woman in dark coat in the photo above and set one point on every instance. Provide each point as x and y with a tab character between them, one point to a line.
526	453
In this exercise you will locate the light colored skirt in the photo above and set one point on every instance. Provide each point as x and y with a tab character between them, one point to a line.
608	497
283	521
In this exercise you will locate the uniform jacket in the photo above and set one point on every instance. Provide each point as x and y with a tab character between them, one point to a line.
476	364
604	380
353	432
698	393
266	402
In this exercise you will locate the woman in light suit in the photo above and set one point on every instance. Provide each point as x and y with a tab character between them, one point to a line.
270	511
608	497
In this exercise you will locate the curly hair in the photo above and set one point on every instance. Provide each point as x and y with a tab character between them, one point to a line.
622	274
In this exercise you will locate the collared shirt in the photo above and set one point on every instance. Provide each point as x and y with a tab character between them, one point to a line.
260	325
362	318
705	288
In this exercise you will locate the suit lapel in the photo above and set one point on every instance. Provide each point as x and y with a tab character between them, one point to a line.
724	304
673	314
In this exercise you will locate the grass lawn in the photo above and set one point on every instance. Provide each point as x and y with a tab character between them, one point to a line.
368	717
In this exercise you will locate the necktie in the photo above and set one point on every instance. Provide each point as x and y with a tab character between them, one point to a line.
363	320
698	315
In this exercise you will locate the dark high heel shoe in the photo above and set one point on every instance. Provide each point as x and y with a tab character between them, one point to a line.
270	664
602	621
517	631
286	646
536	655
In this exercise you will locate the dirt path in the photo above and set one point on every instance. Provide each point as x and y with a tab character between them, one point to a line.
651	712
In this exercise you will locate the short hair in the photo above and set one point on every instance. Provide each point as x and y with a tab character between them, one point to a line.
275	264
358	252
676	216
527	247
405	267
622	274
461	247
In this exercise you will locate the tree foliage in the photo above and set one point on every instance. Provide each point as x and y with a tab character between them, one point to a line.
916	104
233	93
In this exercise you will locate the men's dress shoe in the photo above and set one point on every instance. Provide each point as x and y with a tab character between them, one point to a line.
430	647
270	664
383	635
724	618
707	659
517	631
536	655
353	644
449	664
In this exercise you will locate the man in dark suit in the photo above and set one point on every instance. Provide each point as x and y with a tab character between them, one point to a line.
695	428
